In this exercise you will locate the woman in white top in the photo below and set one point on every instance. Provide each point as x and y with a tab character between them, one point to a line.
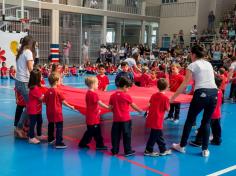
24	65
204	98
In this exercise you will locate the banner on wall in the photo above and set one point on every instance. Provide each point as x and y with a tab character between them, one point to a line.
9	44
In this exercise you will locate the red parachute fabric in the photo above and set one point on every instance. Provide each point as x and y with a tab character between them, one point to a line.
140	96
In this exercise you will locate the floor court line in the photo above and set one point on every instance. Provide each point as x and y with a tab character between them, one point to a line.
223	171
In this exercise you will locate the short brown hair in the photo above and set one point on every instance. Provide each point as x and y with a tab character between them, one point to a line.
162	84
53	78
90	80
222	71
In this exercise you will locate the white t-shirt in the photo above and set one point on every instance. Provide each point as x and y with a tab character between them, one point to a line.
131	62
22	73
203	74
233	66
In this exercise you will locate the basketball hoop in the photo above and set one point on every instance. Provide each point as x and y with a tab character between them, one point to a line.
26	23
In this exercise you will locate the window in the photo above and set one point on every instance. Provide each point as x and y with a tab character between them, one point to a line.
168	1
110	36
145	37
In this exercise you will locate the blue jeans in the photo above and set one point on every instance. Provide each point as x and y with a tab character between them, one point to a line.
22	88
203	99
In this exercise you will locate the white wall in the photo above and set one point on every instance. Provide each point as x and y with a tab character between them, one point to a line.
173	25
203	9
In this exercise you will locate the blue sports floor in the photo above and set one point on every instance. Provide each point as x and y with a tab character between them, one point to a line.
18	158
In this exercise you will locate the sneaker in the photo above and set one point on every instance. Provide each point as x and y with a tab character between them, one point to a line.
34	141
152	154
167	152
195	144
42	138
205	153
176	121
83	146
178	148
130	153
61	146
52	142
101	148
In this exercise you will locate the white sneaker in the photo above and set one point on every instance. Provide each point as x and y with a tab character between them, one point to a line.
176	121
34	141
178	148
205	153
167	152
42	138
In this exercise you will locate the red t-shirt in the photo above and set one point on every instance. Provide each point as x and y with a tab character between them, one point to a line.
34	106
217	113
4	71
161	74
175	82
120	101
92	108
103	81
153	82
182	72
19	99
73	70
224	82
53	99
159	104
144	80
12	72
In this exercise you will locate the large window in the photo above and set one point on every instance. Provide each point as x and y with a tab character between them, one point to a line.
110	36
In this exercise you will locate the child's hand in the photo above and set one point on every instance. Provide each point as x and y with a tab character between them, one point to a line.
72	107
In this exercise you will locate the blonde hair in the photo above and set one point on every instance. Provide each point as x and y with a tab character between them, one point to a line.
89	81
144	69
53	78
176	65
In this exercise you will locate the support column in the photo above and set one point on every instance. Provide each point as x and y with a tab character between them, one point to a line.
104	24
149	35
55	34
143	13
142	32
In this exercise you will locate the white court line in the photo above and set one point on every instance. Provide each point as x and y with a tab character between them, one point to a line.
223	171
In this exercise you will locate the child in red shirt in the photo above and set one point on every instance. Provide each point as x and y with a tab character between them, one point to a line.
175	80
54	99
120	102
93	116
153	80
12	72
215	121
74	71
159	104
34	106
4	71
103	80
224	82
145	77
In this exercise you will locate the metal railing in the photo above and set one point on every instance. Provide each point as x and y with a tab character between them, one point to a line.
178	9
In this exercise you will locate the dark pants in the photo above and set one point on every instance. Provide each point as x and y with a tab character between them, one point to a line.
118	129
203	99
36	61
59	132
93	131
37	118
232	93
174	111
19	110
216	131
156	136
